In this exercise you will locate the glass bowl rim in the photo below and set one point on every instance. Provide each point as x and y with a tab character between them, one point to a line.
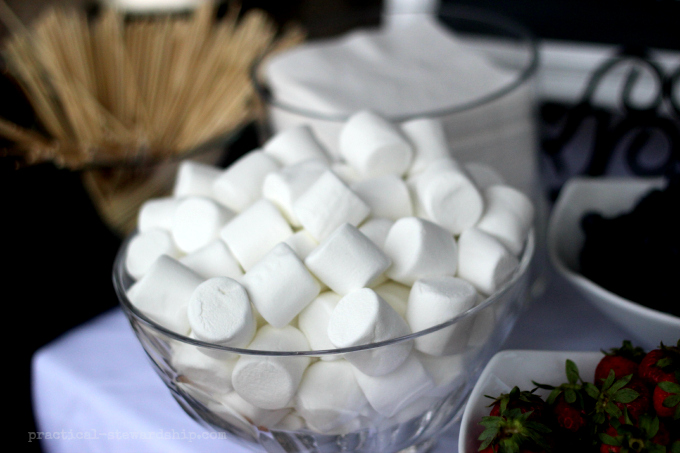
487	17
132	312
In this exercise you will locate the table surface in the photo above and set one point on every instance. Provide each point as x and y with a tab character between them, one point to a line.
95	390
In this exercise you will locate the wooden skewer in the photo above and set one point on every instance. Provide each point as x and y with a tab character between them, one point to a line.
107	88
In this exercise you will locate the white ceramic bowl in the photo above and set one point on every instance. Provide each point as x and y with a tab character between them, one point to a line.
609	197
517	368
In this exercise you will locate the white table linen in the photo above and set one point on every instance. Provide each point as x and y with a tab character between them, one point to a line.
96	391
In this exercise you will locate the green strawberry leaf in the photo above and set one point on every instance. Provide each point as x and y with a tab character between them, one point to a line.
610	380
509	446
626	417
654	448
486	443
572	372
671	401
618	385
538	427
610	440
675	447
543	386
649	425
516	413
625	396
570	396
492	398
670	387
553	396
664	362
491	422
592	390
598	418
612	410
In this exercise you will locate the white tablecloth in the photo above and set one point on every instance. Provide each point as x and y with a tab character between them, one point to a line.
95	389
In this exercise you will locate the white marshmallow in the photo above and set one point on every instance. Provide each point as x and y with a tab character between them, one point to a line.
394	294
254	232
291	422
157	213
329	395
362	317
213	260
207	373
346	172
388	394
508	216
483	175
294	145
215	353
347	260
433	167
233	406
145	248
433	301
313	322
376	230
484	261
164	292
327	204
374	146
219	312
280	285
283	187
281	374
302	243
240	185
197	222
419	249
449	198
386	195
428	140
447	372
195	179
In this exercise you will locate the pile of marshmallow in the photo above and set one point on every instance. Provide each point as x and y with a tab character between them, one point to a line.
292	249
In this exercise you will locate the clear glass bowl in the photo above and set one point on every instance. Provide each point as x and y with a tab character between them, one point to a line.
420	418
496	126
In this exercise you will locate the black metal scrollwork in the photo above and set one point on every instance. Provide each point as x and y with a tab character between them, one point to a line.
634	127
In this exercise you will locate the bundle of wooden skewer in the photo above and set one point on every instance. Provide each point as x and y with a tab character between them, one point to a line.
113	90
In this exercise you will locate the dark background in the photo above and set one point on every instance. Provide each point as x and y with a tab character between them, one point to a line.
58	253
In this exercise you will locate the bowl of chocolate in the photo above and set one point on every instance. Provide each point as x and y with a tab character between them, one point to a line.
616	240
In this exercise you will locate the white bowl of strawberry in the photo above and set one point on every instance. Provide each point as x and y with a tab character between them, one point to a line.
624	400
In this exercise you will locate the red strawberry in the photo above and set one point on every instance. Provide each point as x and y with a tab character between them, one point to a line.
663	436
646	436
639	405
660	365
606	448
623	361
513	425
568	416
666	399
615	396
525	401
